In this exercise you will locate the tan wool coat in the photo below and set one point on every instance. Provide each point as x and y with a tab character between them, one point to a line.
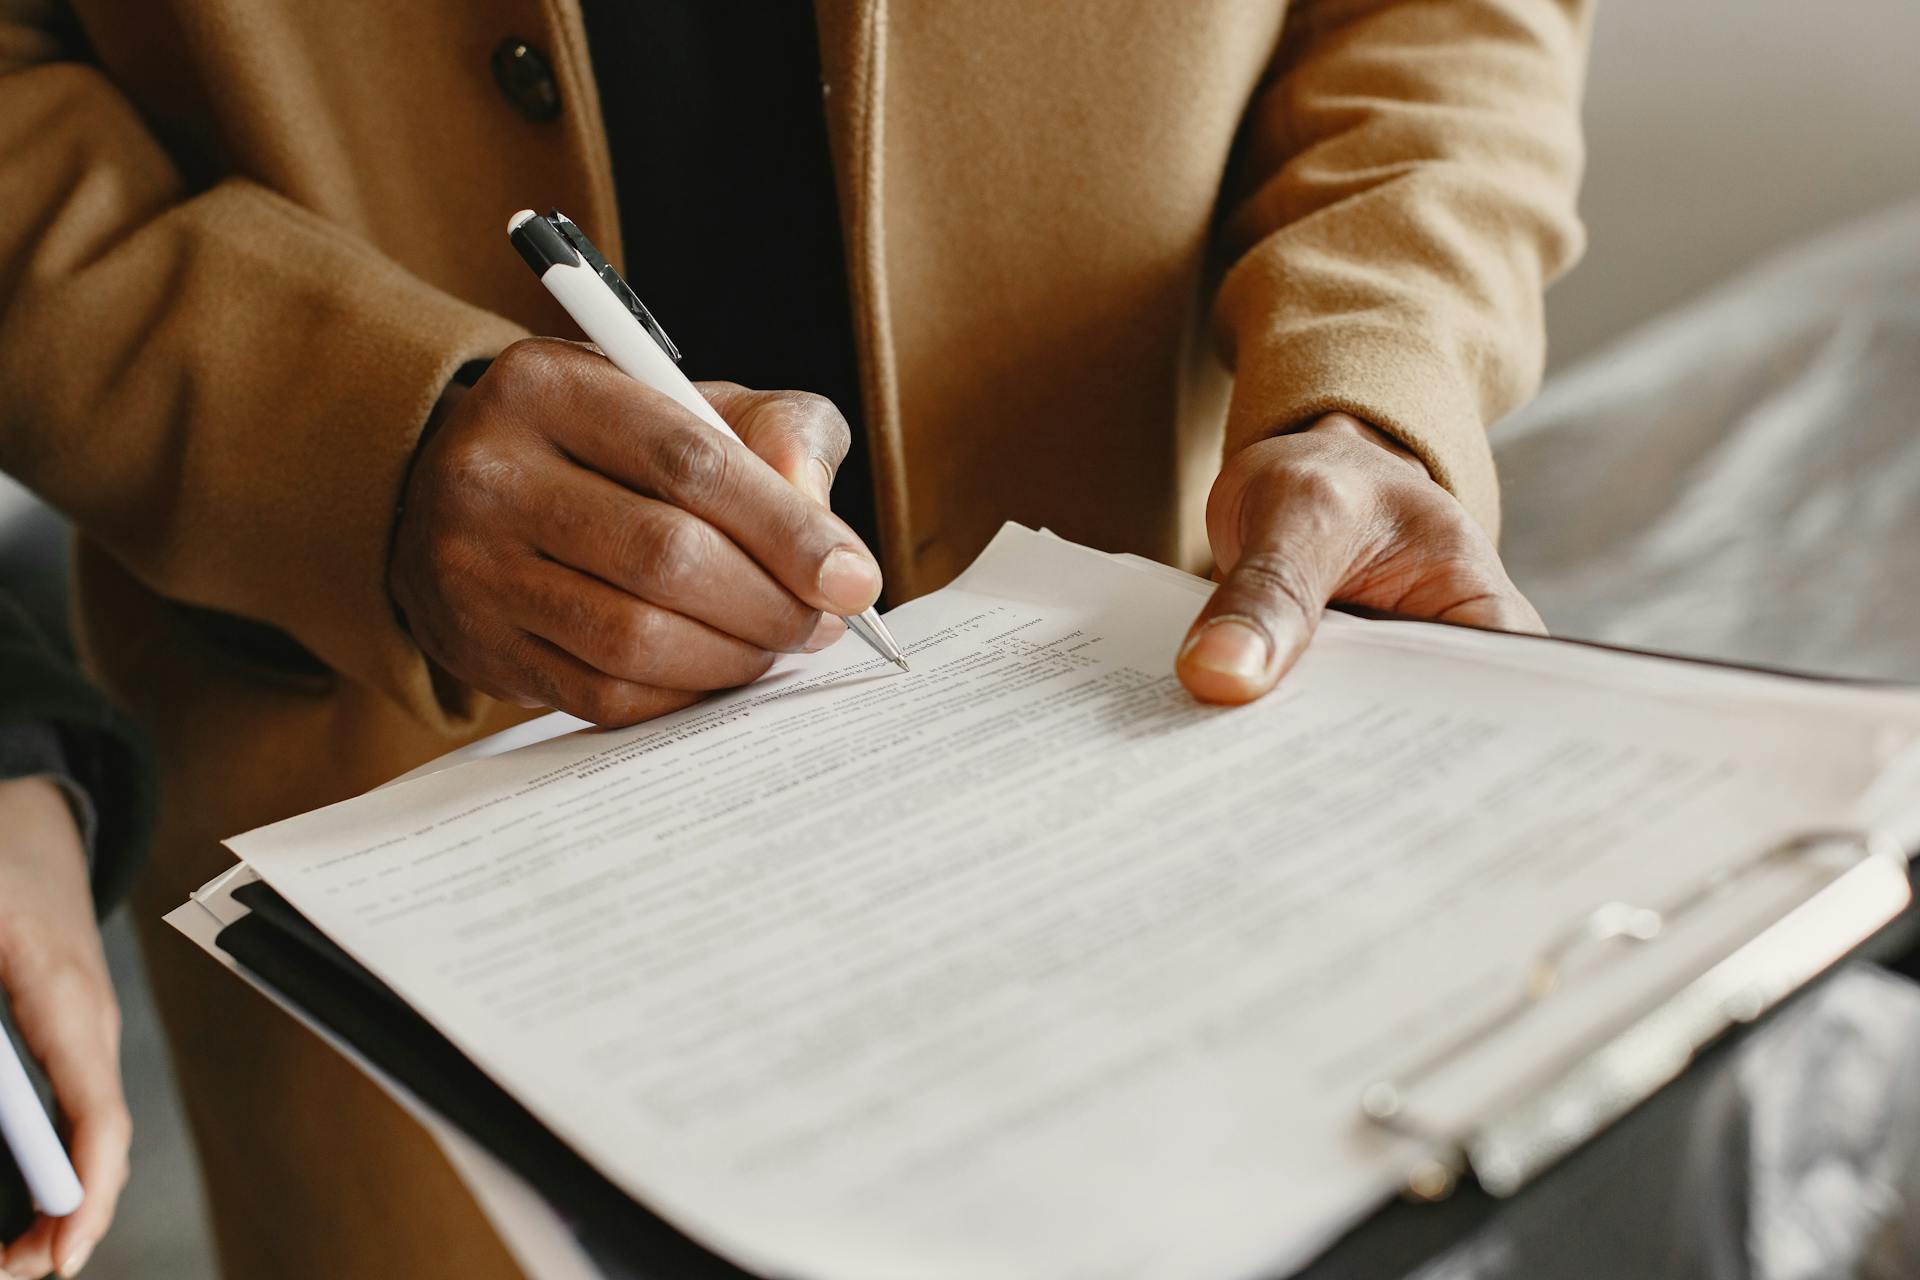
245	243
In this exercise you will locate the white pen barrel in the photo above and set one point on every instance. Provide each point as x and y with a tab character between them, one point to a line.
36	1147
595	309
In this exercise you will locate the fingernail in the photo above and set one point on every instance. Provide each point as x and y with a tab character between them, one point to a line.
77	1258
1230	646
849	581
828	630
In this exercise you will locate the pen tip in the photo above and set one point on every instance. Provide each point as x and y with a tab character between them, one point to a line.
900	663
513	223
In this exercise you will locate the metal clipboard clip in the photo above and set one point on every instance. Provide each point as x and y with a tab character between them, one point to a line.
1867	887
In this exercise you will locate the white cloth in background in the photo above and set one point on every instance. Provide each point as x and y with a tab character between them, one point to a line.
1740	478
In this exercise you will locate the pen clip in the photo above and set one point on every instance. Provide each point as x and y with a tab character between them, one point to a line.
572	234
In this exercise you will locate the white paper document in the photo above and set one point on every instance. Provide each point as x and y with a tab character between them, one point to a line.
1023	963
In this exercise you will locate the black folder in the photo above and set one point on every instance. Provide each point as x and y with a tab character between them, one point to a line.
277	945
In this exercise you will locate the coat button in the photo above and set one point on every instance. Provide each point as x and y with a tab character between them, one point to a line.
526	78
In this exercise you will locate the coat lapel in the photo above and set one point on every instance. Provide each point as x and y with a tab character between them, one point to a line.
853	41
586	131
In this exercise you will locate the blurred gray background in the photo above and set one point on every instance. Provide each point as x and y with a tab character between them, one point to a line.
1718	132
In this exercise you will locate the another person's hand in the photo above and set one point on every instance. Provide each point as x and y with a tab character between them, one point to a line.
571	538
55	976
1335	512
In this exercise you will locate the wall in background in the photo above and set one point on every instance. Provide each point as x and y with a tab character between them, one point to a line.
1720	129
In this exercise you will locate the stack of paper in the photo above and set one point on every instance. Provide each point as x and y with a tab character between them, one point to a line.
1024	964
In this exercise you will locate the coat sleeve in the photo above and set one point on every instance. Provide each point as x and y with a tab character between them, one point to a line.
1404	191
48	711
220	388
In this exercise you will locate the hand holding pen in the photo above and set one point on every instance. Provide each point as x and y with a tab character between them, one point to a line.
573	539
585	283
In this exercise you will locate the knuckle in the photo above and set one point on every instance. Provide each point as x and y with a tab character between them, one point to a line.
692	464
573	523
633	638
477	471
1269	577
529	360
609	702
459	632
795	629
1466	553
540	682
1336	493
1441	526
512	362
756	666
822	423
452	556
672	554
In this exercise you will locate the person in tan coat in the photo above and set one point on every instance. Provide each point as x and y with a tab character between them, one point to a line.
261	337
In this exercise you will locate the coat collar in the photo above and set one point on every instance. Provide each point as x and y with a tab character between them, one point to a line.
853	45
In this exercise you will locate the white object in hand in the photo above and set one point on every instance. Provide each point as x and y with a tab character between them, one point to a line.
36	1147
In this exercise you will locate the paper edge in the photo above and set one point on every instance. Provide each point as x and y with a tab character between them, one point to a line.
530	1229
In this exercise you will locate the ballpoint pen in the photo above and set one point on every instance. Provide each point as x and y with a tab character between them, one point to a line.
36	1148
609	312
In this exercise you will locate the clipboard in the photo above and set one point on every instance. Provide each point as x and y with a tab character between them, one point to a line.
1805	870
1866	885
